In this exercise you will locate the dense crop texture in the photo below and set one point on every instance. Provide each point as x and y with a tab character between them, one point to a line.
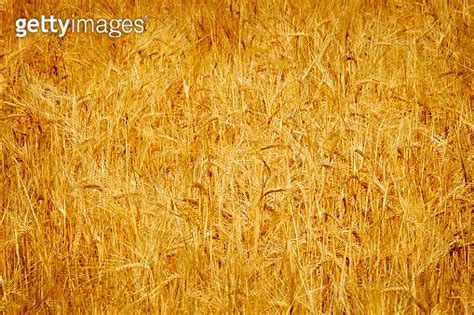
239	157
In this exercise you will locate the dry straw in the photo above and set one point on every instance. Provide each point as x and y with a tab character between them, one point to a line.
239	157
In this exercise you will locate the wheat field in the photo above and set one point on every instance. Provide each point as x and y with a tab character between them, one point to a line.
239	157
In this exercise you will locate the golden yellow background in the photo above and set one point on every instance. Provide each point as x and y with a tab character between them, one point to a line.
239	157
